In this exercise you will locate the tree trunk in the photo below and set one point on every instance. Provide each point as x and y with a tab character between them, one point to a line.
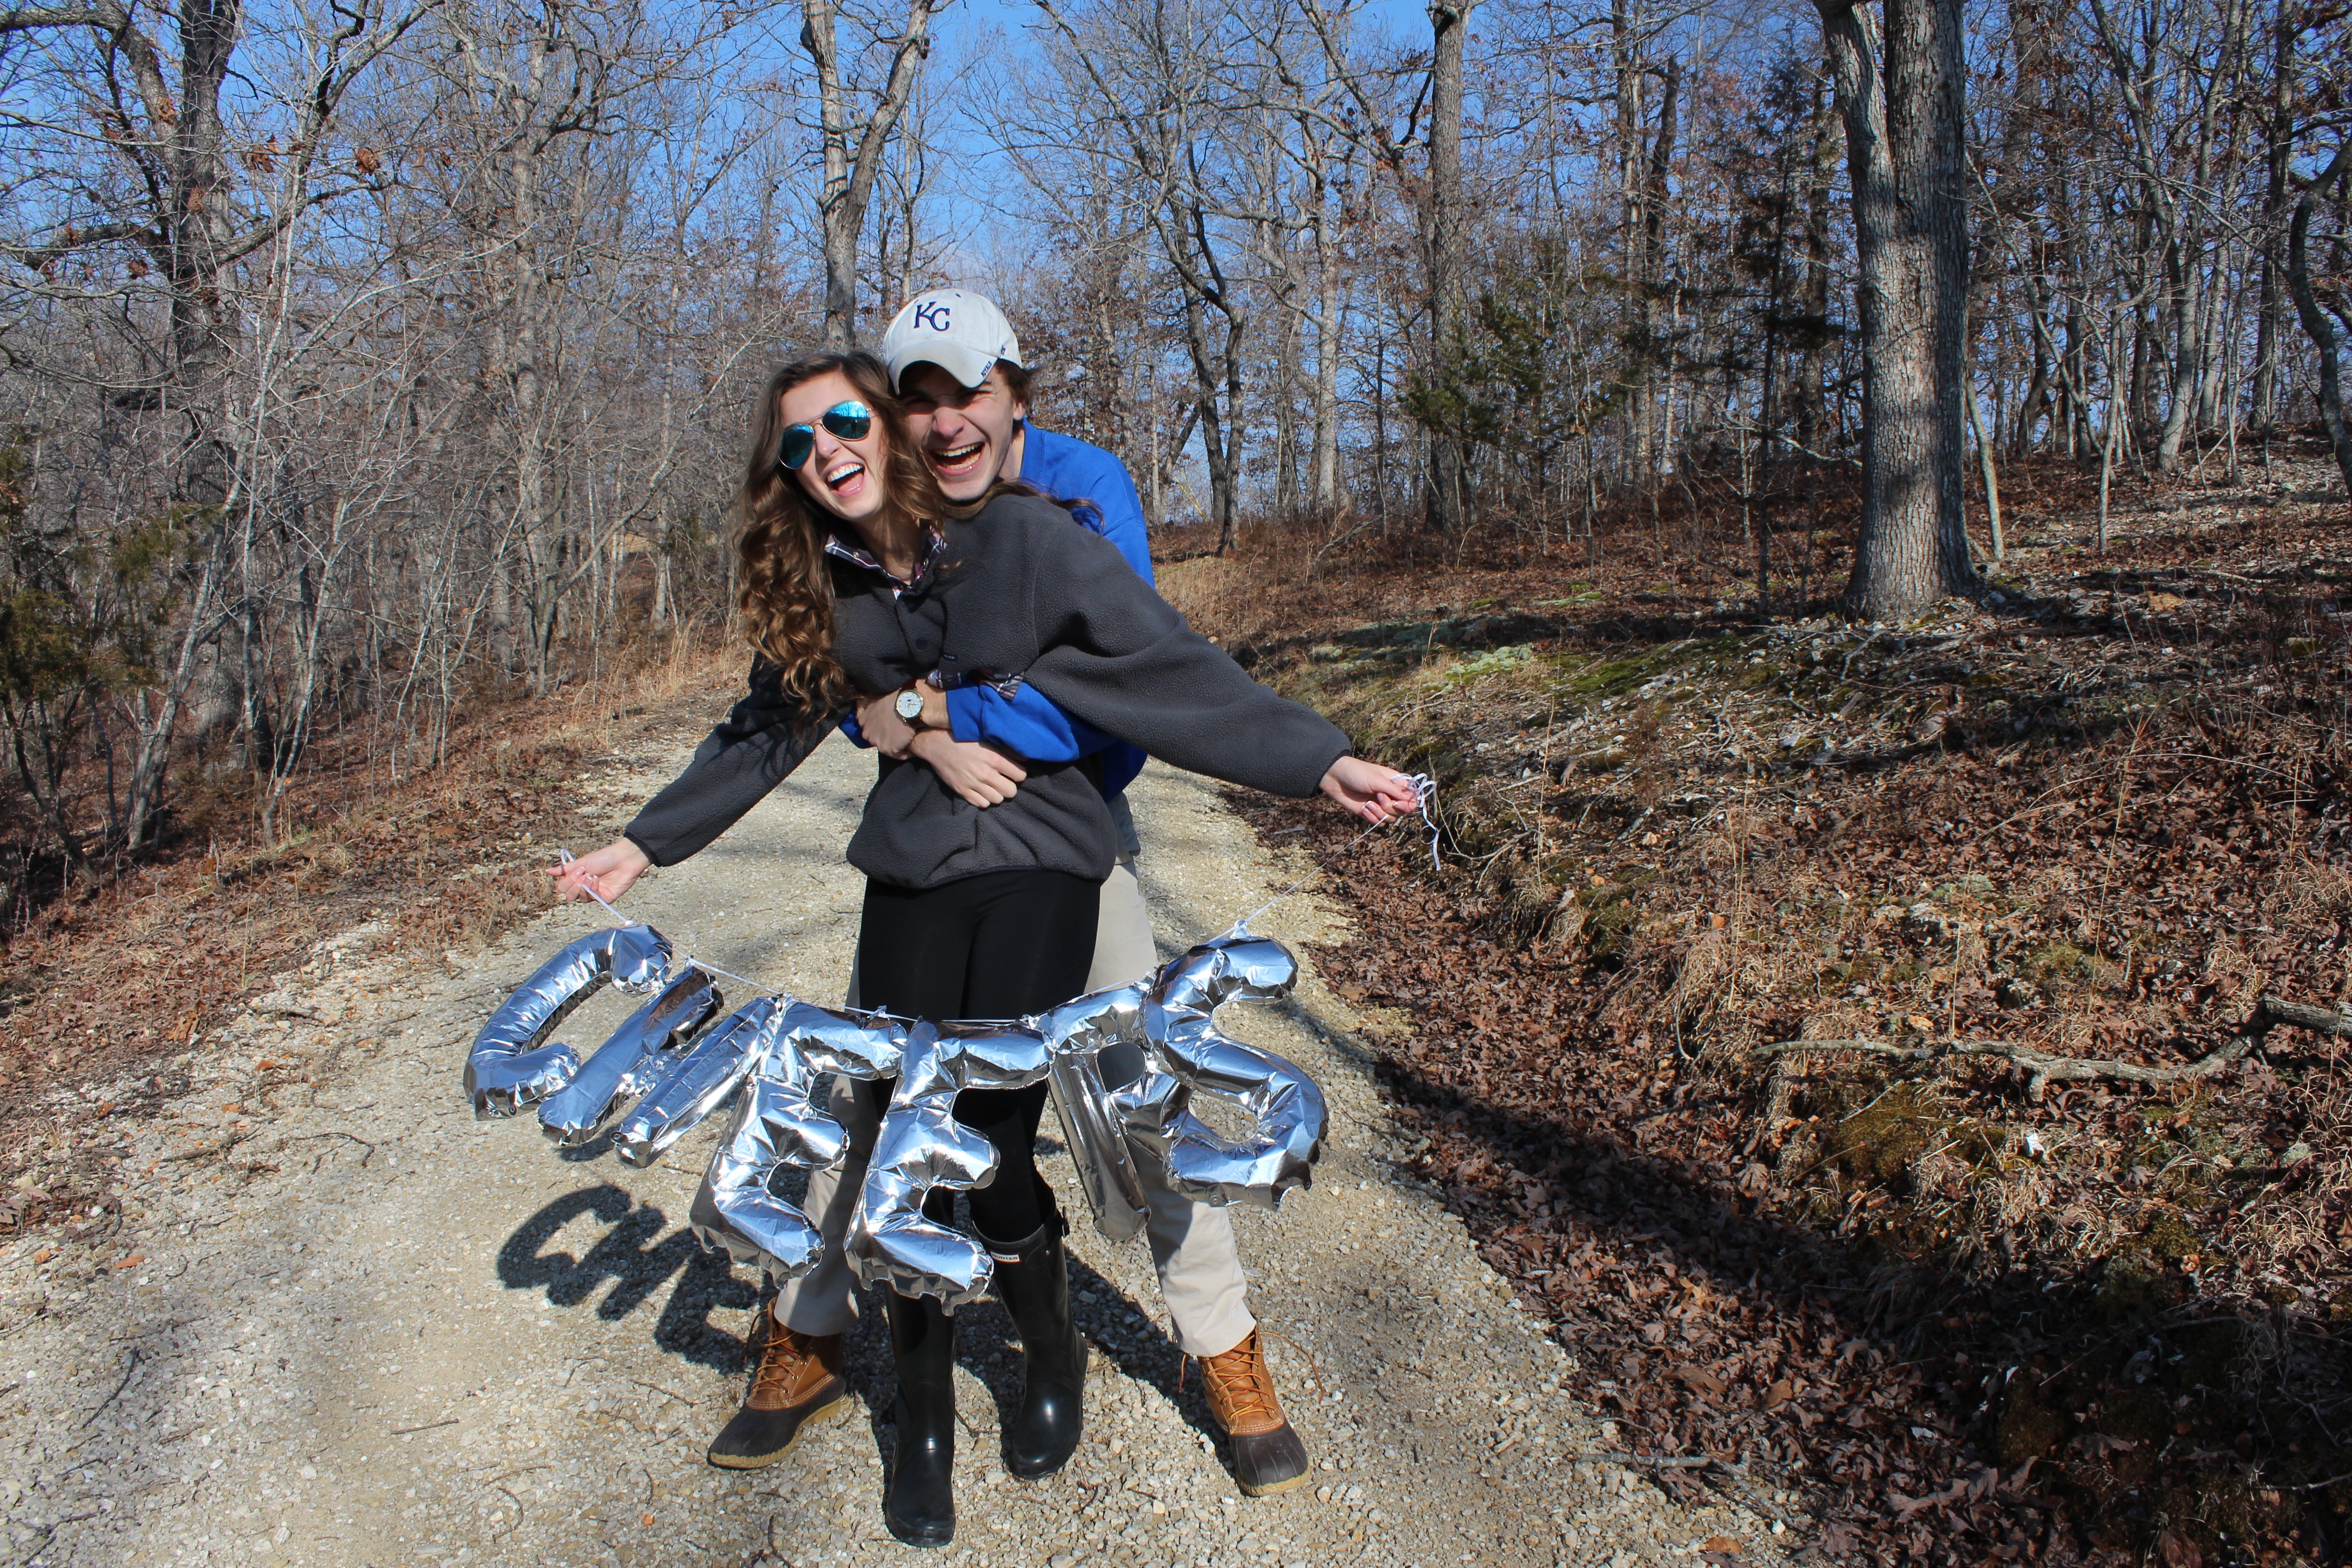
1658	166
1992	479
1328	308
2279	148
2316	323
158	724
850	170
203	329
1449	21
1904	153
1629	68
1818	180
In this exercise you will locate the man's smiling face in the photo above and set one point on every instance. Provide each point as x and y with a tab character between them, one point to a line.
964	431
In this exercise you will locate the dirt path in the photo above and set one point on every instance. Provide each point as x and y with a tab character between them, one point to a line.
339	1321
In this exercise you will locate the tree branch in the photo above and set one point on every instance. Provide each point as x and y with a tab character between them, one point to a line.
38	257
2269	1013
32	17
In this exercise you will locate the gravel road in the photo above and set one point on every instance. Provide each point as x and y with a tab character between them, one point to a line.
338	1321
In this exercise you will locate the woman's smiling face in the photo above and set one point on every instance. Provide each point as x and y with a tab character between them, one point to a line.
843	477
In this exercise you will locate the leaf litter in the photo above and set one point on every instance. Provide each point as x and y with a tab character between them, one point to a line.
1960	1307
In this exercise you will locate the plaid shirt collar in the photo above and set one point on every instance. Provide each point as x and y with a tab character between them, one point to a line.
857	555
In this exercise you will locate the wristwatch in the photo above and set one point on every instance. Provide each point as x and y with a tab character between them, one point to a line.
910	706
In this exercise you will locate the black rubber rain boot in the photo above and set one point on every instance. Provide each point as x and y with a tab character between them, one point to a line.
919	1505
1032	1281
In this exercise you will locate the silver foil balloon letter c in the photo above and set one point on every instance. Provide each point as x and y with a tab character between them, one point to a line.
511	1064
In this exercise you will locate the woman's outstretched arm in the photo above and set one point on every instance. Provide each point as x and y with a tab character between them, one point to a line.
763	738
1120	658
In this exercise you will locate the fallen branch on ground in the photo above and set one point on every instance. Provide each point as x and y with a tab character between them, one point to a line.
336	1133
1676	1462
206	1150
2269	1013
130	1366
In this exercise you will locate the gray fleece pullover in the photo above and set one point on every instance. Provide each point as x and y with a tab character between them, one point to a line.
1018	593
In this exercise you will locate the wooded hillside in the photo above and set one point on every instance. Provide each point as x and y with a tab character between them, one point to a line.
364	364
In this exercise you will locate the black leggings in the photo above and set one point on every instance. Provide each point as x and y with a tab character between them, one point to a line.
999	945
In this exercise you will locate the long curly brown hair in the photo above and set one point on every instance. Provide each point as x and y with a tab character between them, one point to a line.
786	593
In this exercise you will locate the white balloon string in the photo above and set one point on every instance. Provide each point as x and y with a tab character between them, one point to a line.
707	967
703	964
1423	787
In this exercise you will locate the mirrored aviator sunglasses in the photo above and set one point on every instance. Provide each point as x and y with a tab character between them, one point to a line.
846	421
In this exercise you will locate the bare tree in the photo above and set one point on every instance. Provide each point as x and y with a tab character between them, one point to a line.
172	206
1449	21
852	143
1902	104
1158	72
2315	319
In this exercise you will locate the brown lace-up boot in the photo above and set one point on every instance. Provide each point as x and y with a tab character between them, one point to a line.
1268	1456
799	1381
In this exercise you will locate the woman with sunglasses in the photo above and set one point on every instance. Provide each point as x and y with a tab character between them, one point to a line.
858	580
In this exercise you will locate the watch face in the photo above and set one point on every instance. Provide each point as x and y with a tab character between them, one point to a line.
911	705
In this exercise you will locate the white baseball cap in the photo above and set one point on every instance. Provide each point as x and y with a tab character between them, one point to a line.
962	333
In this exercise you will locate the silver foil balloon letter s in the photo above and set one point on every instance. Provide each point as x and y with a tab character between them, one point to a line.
1275	1092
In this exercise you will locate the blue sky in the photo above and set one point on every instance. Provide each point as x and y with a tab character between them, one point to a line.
967	28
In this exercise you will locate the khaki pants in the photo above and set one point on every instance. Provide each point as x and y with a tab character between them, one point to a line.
1191	1243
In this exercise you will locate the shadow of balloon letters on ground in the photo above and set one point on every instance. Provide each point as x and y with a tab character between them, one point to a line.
638	1251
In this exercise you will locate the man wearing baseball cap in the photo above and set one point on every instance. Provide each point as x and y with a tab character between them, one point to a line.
959	367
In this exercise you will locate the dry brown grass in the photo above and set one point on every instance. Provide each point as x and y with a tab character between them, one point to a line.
113	980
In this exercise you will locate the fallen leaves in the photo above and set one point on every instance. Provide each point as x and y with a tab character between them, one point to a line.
231	919
2042	830
1701	1381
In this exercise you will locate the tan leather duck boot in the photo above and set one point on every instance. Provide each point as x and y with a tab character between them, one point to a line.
799	1381
1268	1456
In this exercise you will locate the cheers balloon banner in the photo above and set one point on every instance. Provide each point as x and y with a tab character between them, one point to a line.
1125	1066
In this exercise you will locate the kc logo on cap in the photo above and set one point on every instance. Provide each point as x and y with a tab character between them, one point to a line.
962	333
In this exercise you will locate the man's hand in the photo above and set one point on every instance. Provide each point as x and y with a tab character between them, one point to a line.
608	872
980	774
1369	791
878	721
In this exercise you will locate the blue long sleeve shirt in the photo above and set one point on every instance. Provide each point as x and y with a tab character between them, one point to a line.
1027	723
